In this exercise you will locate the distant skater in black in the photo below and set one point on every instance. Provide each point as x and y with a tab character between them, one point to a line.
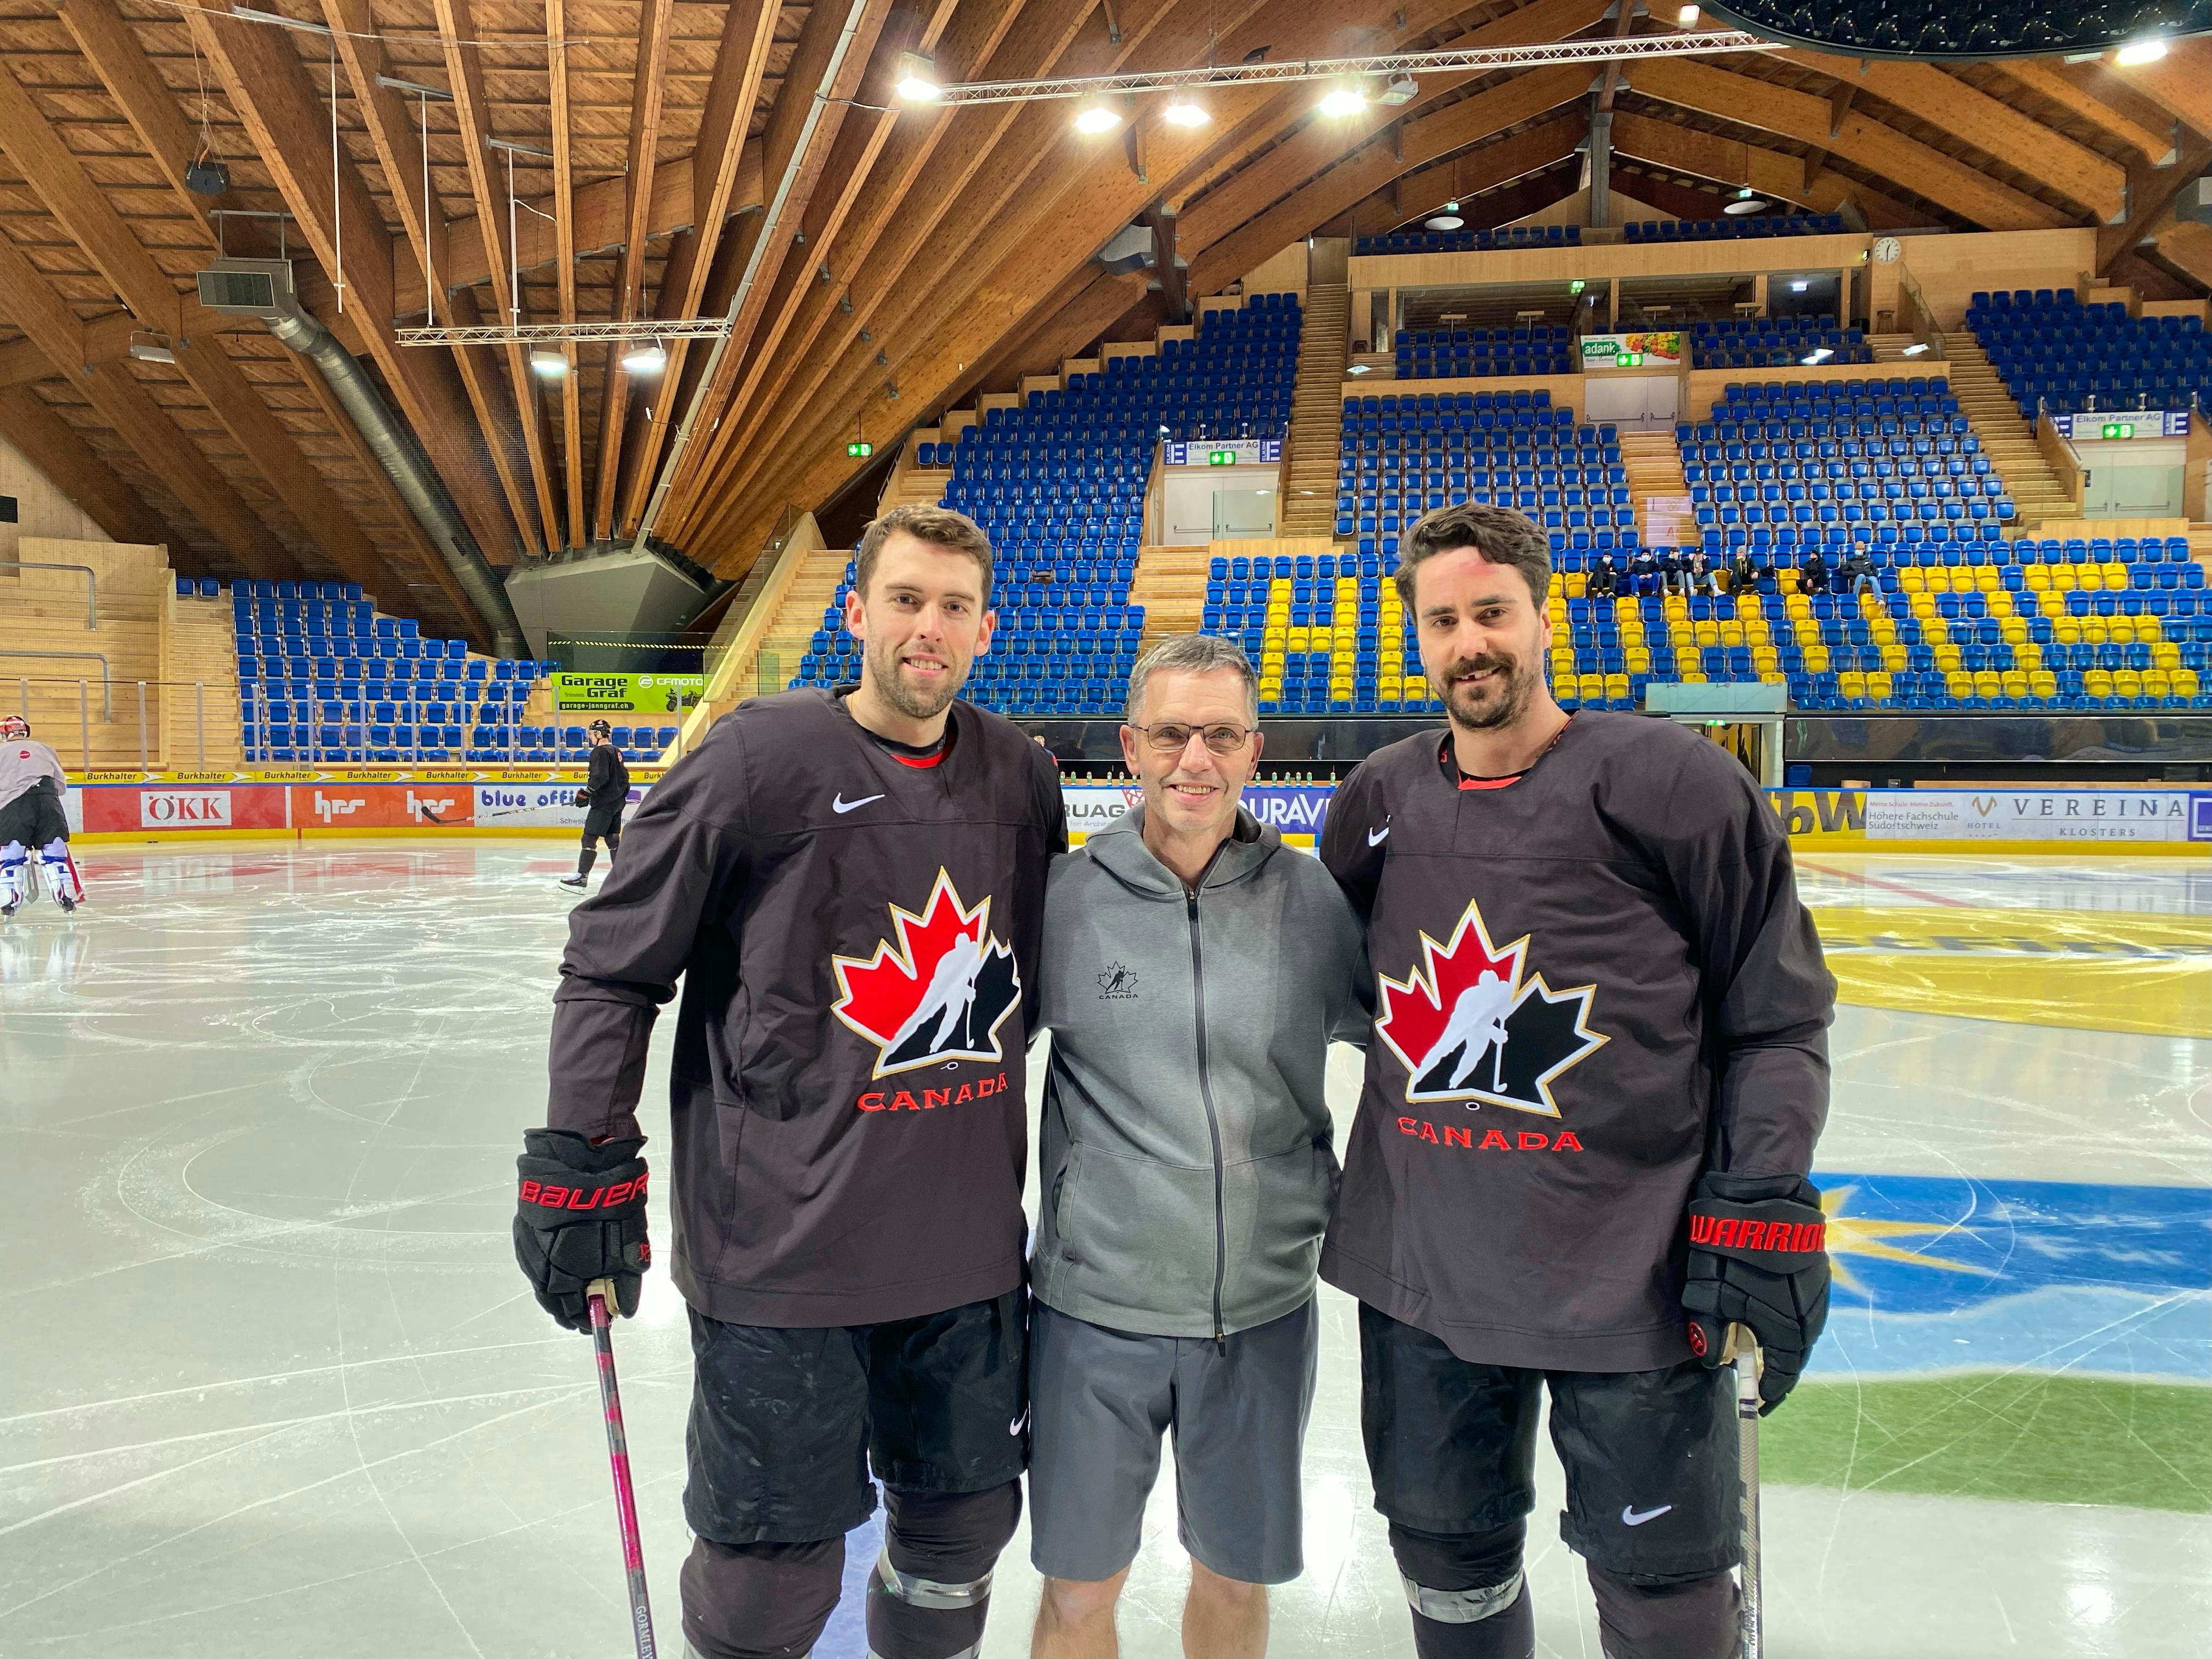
605	791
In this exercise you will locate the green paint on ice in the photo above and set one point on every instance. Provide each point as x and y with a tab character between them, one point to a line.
2028	1438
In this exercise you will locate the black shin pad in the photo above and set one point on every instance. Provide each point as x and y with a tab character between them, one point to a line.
1467	1593
930	1590
760	1600
1696	1619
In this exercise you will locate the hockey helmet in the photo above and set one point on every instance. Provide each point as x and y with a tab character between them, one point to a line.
14	726
602	729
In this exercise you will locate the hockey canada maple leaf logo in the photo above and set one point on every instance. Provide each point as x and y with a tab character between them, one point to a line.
1467	1027
937	991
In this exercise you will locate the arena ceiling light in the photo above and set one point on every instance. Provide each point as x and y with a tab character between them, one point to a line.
1821	354
1096	117
1184	111
1687	15
1444	221
547	363
917	82
1344	99
648	359
2148	50
1740	207
1916	347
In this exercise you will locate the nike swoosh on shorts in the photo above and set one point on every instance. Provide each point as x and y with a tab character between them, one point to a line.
841	805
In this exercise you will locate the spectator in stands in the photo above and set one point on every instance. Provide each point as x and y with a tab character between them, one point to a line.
1857	571
1604	580
1645	570
1166	1302
1813	574
1742	573
1698	575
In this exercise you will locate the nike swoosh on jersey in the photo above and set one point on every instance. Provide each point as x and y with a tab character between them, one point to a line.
1377	837
1629	1517
841	805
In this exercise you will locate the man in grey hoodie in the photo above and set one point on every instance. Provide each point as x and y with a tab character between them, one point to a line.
1194	971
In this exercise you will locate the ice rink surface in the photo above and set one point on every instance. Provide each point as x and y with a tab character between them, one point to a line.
270	1383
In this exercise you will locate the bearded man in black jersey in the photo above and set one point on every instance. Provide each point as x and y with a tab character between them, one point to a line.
850	884
1597	1070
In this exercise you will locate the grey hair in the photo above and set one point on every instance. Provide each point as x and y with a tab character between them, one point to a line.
1192	654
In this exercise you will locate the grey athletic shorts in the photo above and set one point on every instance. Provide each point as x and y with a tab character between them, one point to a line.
1101	1399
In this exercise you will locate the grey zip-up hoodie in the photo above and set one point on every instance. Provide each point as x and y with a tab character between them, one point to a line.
1186	1151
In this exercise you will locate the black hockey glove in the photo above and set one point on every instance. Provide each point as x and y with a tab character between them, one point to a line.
583	798
1758	1257
581	1216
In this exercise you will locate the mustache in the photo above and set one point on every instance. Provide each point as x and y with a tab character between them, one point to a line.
1487	663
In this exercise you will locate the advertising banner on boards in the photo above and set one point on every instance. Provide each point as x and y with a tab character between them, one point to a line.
657	695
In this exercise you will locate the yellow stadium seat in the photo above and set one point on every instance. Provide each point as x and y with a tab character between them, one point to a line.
2121	630
2186	680
1959	684
2098	683
1911	581
2157	684
2037	579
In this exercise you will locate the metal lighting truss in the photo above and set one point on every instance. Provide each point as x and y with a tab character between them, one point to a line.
1601	51
685	328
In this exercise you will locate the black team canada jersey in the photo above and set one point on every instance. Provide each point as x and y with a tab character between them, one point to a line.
857	938
1593	982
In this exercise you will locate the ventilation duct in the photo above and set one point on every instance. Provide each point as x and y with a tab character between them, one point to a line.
262	289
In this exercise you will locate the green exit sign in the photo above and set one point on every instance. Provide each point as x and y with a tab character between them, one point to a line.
1629	360
2118	429
860	452
1221	458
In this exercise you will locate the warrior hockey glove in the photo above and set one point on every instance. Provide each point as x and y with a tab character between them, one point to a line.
579	1217
1758	1257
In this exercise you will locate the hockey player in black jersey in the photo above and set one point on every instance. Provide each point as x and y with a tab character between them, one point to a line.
605	793
850	886
1599	1065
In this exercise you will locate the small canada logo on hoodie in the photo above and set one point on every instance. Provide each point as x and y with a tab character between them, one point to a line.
937	990
1467	1026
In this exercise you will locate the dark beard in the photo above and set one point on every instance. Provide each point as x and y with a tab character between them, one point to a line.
1505	707
883	668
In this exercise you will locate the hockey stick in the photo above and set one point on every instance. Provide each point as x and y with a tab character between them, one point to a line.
599	1297
1742	1350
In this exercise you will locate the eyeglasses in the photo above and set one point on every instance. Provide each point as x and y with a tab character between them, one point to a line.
1172	737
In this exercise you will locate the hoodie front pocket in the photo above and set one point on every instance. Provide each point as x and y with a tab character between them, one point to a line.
1277	1208
1146	1229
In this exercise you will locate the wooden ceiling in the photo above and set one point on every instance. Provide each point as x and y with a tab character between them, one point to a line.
883	262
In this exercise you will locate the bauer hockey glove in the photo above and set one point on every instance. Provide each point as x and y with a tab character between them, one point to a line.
1758	1257
579	1216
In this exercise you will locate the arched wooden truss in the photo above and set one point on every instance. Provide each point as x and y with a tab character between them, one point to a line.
679	161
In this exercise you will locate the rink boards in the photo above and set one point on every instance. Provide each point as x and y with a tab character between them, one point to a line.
142	807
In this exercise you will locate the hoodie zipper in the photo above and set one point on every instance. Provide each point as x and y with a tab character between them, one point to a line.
1212	1120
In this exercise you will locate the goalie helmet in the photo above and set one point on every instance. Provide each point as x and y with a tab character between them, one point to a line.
14	726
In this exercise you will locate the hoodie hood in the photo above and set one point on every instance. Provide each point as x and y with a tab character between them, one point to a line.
1120	850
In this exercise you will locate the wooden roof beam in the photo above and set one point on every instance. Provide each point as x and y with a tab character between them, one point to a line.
649	91
564	250
285	121
1423	190
2058	84
933	154
1048	193
740	61
29	301
71	466
1766	171
1859	139
2179	83
2151	193
423	219
1990	125
1523	98
472	113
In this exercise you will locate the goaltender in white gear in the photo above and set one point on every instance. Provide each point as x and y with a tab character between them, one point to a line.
32	784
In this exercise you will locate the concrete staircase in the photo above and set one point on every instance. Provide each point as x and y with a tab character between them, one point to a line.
1657	488
1990	409
1317	417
